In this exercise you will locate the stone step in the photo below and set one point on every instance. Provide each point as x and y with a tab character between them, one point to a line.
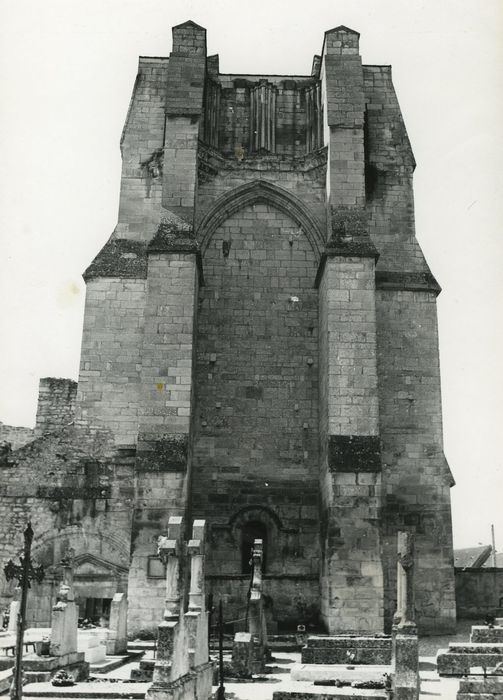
331	693
112	662
330	672
105	689
344	649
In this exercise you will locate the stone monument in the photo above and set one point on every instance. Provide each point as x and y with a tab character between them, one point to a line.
249	650
182	669
116	642
405	651
63	648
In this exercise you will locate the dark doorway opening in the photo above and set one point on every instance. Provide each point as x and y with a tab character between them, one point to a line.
95	610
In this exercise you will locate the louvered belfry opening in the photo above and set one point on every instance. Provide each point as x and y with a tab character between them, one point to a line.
263	118
314	118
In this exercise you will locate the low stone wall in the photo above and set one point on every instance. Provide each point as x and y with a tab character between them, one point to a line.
478	592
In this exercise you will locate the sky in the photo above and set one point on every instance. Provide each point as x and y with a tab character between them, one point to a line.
67	69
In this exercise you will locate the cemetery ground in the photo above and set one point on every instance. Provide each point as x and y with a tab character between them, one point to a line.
432	686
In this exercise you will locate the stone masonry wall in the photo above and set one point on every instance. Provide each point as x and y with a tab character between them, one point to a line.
415	472
389	167
110	361
351	576
256	446
141	146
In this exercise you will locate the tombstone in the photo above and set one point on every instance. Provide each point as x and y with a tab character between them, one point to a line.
65	615
116	642
249	649
182	668
405	651
63	647
91	644
13	613
197	616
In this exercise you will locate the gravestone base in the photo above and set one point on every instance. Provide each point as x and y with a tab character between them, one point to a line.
347	649
145	672
459	658
242	655
405	666
476	689
482	634
43	668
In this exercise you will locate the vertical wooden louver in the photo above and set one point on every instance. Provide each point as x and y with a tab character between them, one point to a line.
211	112
263	118
314	118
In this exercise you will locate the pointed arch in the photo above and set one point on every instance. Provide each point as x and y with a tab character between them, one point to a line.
260	191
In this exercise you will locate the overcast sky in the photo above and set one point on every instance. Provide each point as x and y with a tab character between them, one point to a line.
66	73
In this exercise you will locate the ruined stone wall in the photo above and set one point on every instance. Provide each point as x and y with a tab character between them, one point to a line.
77	493
56	404
17	436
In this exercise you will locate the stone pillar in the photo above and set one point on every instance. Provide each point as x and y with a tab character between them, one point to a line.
405	650
405	608
197	617
65	615
174	273
169	549
117	634
184	107
257	620
350	471
196	552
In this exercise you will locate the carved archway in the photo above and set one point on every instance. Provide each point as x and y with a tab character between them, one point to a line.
260	191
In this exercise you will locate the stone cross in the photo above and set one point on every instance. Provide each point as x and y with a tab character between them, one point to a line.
65	613
255	625
195	549
405	612
169	551
66	592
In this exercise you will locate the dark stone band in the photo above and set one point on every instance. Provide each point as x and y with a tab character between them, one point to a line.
119	257
354	453
162	453
408	282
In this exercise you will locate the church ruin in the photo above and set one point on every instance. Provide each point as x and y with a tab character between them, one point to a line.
259	350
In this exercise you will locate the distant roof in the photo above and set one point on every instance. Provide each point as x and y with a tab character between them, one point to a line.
472	557
499	561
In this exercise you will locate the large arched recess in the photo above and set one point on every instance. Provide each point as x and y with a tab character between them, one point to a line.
260	191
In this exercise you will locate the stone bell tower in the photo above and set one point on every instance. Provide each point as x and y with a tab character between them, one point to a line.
260	335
